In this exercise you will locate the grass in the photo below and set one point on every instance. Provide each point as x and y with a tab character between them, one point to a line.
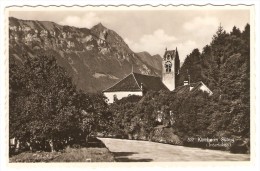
68	155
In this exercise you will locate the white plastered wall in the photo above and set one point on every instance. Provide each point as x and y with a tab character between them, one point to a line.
121	94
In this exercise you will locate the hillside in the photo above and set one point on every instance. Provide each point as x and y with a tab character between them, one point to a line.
154	61
95	58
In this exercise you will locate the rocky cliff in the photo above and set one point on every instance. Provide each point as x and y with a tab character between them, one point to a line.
154	61
96	58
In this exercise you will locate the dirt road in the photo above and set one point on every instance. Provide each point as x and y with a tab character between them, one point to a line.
145	151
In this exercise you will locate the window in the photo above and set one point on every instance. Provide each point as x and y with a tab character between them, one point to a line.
115	97
168	66
168	56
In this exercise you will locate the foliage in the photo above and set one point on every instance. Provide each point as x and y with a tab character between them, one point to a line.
45	105
224	66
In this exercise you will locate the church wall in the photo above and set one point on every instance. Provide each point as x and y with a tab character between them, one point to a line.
121	94
168	80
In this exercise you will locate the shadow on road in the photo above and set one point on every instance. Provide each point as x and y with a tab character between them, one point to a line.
122	157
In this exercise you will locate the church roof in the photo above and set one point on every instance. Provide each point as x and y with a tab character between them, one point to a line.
134	82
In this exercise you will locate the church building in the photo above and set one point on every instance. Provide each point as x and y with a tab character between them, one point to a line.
139	84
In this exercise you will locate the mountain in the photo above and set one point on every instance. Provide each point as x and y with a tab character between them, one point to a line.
154	61
96	58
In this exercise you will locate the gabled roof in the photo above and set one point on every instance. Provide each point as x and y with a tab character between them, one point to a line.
185	89
150	82
172	52
135	81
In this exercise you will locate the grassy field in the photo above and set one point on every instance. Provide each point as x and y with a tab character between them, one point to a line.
67	155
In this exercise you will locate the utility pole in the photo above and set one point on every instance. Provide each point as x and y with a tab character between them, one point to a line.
188	76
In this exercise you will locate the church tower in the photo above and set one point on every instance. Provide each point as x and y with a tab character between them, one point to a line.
170	68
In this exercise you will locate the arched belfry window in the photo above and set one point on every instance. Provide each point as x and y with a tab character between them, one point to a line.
167	57
168	66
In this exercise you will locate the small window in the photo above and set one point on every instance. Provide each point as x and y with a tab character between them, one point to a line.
115	97
168	57
168	66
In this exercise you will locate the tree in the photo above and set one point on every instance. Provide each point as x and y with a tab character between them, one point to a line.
224	65
42	107
45	105
95	116
236	31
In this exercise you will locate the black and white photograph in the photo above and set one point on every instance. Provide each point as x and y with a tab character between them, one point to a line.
130	84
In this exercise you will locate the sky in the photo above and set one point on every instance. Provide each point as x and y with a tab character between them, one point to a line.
151	30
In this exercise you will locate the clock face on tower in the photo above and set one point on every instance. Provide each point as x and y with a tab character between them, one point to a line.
168	66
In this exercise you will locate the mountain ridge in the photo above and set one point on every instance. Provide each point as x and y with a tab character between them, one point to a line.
95	58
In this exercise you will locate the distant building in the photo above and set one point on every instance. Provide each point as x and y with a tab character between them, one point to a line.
192	88
138	84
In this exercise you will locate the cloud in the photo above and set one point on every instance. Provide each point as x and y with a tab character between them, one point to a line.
185	48
200	31
156	43
201	22
153	43
87	20
202	27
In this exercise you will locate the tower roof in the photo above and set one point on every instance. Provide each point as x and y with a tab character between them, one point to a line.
172	52
135	82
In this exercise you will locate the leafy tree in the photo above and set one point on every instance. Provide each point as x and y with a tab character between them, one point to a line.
45	105
95	116
45	99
